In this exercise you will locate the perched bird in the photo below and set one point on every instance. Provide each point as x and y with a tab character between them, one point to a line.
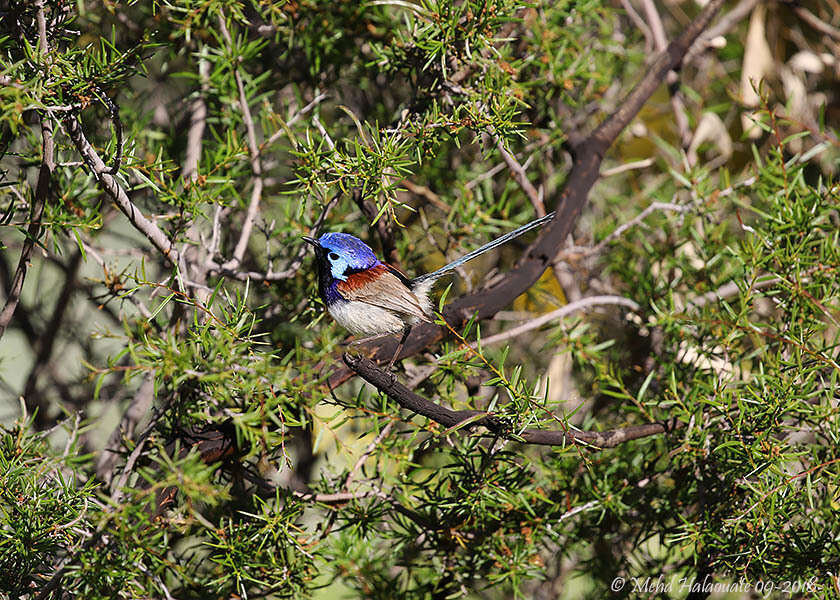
371	298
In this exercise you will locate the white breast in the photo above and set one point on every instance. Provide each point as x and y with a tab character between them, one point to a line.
360	318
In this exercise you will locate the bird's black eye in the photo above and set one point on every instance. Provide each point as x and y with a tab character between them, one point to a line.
333	256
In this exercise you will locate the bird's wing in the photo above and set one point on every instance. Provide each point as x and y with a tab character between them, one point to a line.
380	287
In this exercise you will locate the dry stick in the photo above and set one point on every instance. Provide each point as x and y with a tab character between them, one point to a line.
198	119
561	312
137	409
817	23
654	206
112	188
337	498
637	164
368	451
589	153
195	253
389	385
256	164
724	25
282	131
33	232
521	177
660	42
728	290
42	190
640	24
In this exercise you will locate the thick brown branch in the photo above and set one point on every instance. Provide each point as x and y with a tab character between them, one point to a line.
386	382
589	153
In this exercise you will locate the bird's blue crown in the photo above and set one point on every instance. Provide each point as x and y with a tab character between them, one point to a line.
346	252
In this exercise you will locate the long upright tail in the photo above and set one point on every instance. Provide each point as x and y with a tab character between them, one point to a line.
481	250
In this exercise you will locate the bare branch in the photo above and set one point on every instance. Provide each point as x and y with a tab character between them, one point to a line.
817	23
639	23
571	307
387	383
723	26
619	231
661	42
137	409
256	164
519	175
637	164
114	191
198	118
368	451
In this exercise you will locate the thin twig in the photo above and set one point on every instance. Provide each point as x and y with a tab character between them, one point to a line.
661	42
134	413
817	23
638	164
256	164
619	231
571	307
368	451
639	23
317	122
519	175
117	491
297	116
578	509
723	26
198	119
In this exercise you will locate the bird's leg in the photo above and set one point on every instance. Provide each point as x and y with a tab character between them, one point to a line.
406	331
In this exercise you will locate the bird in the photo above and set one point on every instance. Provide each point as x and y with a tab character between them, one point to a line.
373	299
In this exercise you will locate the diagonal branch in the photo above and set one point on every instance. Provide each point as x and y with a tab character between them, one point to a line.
386	383
115	192
519	175
589	154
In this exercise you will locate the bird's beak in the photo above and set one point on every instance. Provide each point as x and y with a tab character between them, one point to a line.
311	241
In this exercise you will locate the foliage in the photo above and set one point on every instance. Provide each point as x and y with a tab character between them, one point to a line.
234	468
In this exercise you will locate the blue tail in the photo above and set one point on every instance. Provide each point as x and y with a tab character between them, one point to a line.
485	248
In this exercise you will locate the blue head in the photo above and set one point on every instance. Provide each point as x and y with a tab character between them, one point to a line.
343	254
338	256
